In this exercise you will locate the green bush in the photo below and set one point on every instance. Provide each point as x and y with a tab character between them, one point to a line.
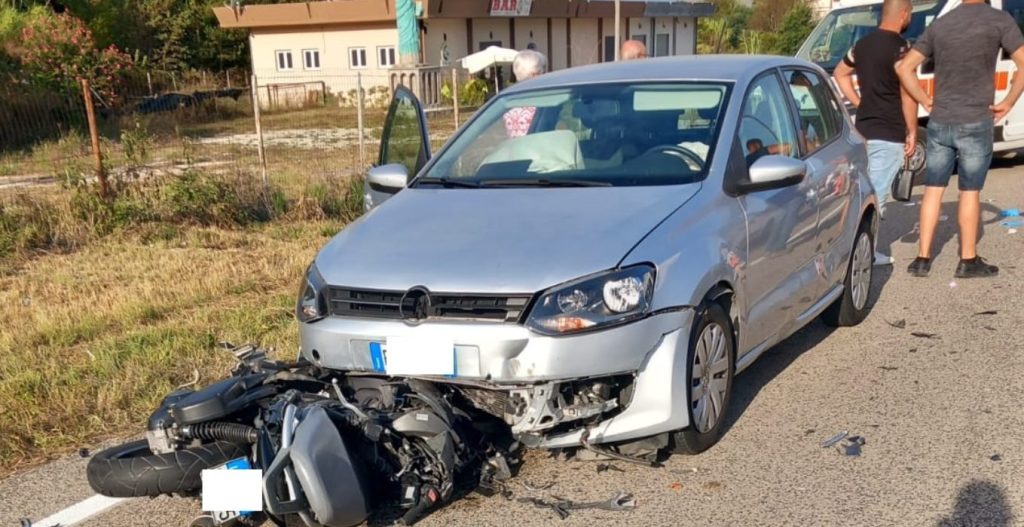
474	93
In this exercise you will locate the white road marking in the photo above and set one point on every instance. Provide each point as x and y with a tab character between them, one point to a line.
80	511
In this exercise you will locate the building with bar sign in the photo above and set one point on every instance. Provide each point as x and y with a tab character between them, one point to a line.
326	45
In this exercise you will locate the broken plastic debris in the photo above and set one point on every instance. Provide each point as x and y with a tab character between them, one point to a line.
952	285
1010	213
834	439
990	328
923	335
851	445
604	467
1011	231
1013	223
899	324
888	368
996	457
989	312
676	486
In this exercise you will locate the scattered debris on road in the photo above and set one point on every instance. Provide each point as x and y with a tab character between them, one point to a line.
850	446
604	467
923	335
952	285
912	350
899	324
888	368
713	485
676	486
83	452
1010	213
986	313
990	328
536	488
834	439
561	506
996	457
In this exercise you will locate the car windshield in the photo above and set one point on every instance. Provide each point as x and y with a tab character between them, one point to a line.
617	134
842	28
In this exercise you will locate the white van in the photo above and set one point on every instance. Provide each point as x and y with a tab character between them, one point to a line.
845	24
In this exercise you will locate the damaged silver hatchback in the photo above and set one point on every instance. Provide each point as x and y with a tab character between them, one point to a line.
598	251
587	263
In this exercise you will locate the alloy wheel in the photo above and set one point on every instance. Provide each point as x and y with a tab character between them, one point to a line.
708	378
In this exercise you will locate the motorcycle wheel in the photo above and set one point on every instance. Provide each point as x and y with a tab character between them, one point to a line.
131	470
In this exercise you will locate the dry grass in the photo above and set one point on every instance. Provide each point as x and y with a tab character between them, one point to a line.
91	340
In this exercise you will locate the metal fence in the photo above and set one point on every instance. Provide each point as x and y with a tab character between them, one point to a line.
278	125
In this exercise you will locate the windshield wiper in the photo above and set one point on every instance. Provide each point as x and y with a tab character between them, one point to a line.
447	182
543	182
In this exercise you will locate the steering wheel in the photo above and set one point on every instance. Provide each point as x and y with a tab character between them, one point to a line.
691	158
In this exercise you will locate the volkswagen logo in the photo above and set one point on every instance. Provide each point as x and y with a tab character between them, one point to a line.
415	305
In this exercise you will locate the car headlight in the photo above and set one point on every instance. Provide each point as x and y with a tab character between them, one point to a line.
609	298
312	305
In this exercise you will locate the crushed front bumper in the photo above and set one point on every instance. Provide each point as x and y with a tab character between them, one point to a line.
546	384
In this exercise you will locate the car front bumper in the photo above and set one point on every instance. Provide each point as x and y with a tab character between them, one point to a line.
536	371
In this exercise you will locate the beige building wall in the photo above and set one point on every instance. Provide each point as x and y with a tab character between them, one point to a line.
686	40
488	30
337	74
532	30
584	41
445	30
558	57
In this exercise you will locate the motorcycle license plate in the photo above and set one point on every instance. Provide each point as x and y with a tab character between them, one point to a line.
222	517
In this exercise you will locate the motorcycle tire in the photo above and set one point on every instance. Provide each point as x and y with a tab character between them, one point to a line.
131	470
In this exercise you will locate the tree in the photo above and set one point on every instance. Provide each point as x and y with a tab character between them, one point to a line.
796	25
768	15
59	50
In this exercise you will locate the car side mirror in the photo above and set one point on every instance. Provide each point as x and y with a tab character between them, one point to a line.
772	172
388	179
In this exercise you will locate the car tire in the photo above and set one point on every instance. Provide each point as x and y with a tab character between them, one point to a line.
131	470
713	361
919	159
851	308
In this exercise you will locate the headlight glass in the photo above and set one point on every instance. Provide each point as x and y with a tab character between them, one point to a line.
312	305
609	298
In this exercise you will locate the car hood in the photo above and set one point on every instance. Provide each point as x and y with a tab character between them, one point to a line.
495	240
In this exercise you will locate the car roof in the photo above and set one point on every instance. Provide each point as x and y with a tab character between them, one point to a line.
730	68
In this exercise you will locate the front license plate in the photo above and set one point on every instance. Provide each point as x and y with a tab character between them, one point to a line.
222	517
414	356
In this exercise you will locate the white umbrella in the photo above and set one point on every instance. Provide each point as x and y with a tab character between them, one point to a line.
492	56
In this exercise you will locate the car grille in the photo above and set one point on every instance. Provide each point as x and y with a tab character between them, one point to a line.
368	303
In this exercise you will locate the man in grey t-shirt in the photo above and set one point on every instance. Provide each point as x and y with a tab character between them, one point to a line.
964	44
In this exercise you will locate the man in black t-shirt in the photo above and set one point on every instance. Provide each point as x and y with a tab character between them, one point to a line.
886	114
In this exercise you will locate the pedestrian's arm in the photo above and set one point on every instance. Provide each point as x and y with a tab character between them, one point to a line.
910	118
906	69
1003	107
844	78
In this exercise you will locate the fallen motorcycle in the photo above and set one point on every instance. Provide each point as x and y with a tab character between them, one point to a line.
332	448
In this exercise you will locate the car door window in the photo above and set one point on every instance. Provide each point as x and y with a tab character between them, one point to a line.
766	122
402	141
815	107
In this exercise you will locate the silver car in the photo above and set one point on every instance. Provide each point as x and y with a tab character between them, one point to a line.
598	252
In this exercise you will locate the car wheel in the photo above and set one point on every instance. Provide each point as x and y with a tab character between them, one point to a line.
711	362
918	160
851	308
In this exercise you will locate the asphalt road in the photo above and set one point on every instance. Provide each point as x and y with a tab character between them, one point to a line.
942	418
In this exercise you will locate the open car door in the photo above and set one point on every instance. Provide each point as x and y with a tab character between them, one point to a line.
404	149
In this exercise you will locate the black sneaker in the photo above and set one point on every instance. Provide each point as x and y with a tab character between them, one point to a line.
976	267
920	266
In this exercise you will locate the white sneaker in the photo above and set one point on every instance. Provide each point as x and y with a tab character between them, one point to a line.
882	259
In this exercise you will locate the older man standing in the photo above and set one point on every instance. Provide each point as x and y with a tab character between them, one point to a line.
526	65
632	49
965	45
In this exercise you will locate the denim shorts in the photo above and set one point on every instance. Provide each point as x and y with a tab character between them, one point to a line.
968	146
885	159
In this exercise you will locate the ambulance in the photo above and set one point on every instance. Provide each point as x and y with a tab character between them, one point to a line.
849	21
